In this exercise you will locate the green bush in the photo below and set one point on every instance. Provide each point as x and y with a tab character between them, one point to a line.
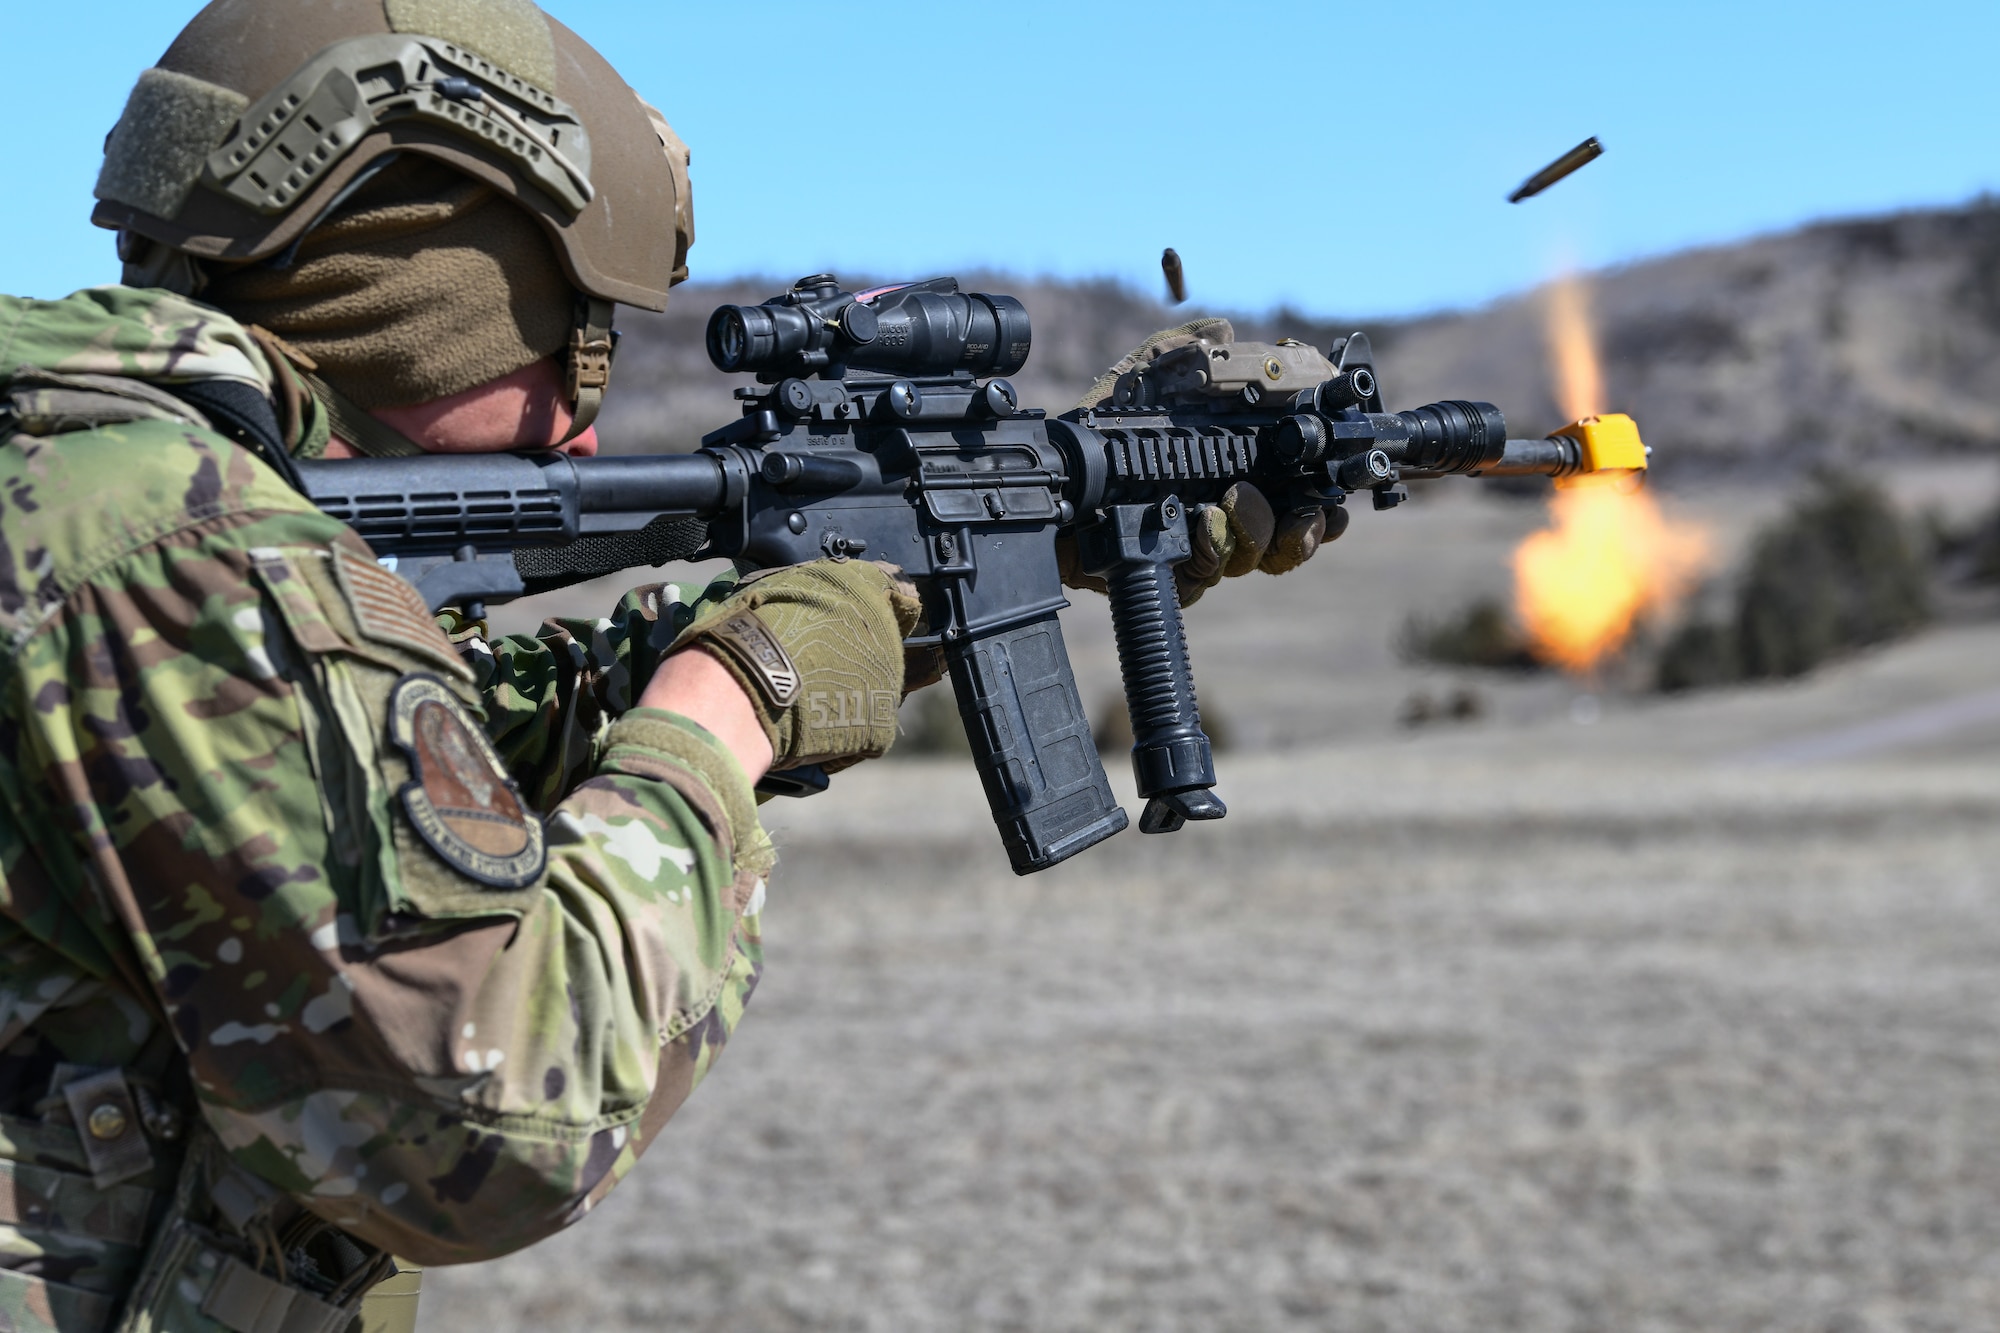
1983	563
1700	654
931	725
1481	635
1840	571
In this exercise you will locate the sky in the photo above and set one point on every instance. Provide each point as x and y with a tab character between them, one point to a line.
1345	159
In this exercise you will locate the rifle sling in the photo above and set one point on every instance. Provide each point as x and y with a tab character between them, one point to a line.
353	424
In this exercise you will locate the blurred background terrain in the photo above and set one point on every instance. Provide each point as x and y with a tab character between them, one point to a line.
1653	997
1837	341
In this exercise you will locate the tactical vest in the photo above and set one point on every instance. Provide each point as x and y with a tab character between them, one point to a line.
120	1210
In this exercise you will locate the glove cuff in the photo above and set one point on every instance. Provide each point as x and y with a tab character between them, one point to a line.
752	655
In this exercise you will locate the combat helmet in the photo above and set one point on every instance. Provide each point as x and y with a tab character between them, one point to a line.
264	116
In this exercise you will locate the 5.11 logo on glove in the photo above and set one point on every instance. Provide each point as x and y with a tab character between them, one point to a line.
831	709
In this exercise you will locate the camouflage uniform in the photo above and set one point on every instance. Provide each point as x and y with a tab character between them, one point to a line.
213	881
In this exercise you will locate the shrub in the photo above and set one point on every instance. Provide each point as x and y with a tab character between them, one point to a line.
1700	654
931	725
1840	571
1481	635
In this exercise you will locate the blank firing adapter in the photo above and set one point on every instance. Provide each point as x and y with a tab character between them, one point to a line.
1607	443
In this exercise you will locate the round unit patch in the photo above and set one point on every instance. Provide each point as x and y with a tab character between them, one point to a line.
459	798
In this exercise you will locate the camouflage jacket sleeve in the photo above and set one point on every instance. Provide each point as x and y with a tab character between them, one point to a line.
551	697
261	798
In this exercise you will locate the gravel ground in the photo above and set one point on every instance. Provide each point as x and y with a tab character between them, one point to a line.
1525	1066
1514	1025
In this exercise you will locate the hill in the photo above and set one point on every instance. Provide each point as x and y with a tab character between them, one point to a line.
1838	341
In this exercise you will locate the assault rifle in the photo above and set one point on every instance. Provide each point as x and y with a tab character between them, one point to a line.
885	428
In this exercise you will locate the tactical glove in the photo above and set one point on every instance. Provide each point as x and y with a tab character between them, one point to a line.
819	650
1228	539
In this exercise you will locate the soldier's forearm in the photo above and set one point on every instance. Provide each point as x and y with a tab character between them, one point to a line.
695	685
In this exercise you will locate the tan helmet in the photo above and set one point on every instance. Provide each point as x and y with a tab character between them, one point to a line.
264	115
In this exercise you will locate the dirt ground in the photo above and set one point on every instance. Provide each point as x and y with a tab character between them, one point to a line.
1609	1014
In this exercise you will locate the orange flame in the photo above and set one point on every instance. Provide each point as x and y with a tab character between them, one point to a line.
1573	349
1609	555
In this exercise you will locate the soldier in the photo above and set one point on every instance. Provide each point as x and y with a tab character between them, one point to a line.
333	931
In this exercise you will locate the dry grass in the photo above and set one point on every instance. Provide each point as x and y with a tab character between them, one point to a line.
1503	1073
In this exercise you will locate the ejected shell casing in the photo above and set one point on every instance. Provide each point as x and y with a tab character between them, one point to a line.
1170	265
1584	152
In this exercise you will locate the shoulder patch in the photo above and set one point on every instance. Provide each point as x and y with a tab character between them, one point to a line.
388	610
459	798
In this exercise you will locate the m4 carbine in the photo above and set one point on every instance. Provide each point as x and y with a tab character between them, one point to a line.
885	429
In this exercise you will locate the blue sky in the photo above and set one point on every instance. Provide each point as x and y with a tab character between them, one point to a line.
1348	159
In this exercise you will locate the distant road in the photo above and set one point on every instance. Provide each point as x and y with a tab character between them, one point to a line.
1910	727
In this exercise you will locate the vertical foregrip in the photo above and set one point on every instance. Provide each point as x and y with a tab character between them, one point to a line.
1032	744
1171	760
1146	622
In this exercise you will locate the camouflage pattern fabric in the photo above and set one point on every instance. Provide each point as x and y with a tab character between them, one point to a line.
140	334
205	866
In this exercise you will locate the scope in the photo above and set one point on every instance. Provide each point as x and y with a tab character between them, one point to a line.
917	330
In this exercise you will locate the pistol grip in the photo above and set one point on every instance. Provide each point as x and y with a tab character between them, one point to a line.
1031	743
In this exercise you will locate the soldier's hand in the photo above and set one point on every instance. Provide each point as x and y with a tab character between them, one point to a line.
1242	533
818	650
1229	539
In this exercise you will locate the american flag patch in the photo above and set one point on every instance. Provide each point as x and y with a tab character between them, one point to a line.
390	611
